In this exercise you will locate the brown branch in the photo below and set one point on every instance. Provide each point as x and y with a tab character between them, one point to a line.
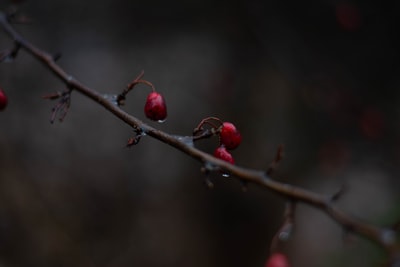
382	236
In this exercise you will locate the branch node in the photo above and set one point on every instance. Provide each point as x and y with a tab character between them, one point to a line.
122	96
139	133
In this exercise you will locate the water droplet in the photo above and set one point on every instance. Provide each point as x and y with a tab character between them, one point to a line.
161	121
284	236
225	174
112	98
188	140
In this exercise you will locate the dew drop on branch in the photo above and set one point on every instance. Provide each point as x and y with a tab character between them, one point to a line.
187	140
284	236
113	98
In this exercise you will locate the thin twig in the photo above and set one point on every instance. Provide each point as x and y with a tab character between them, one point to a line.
278	158
322	202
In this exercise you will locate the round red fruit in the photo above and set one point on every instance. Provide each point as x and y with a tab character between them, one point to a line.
3	100
223	154
230	136
277	260
155	108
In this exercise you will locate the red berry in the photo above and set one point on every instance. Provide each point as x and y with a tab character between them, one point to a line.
3	100
223	154
155	107
230	136
277	260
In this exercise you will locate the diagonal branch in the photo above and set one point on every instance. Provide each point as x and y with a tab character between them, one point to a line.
383	236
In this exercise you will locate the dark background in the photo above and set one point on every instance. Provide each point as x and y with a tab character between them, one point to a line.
320	77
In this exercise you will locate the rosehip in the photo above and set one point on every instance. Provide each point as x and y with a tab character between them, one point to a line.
155	108
3	100
230	136
277	260
223	154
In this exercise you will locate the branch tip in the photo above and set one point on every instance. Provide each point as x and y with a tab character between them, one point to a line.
208	183
57	56
342	190
275	162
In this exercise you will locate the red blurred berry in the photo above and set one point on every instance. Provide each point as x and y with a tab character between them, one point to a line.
277	260
230	136
223	154
3	100
155	108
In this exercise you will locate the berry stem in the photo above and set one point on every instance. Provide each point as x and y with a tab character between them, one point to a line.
122	96
207	121
131	85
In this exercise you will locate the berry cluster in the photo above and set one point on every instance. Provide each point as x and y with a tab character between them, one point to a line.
155	109
229	137
3	100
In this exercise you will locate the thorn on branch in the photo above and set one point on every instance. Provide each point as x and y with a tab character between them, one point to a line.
278	158
62	107
135	140
57	56
339	193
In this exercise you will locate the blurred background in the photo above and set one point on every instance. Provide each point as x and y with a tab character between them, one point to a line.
320	77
